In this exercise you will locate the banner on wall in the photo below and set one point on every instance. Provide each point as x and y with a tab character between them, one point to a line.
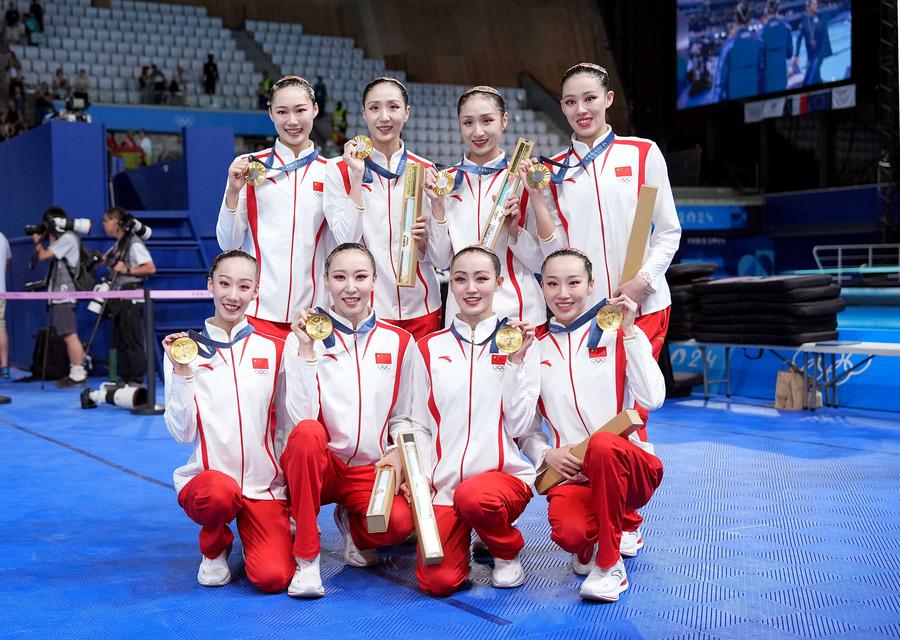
843	97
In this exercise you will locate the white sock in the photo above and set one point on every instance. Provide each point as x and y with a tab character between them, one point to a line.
77	372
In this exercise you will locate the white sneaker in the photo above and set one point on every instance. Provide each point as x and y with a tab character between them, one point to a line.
631	543
307	581
353	556
584	568
215	572
507	573
605	584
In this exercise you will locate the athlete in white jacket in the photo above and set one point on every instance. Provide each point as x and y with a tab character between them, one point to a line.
587	376
281	221
223	405
373	189
463	390
350	394
478	180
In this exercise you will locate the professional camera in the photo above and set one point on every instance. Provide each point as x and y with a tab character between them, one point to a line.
130	224
125	396
96	305
36	285
80	226
75	108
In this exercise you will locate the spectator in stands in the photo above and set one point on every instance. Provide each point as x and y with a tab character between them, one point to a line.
4	128
82	83
19	96
14	29
38	12
321	92
13	70
43	104
210	75
339	125
146	85
32	30
177	87
262	97
111	144
5	261
15	123
146	146
158	82
61	86
267	82
12	14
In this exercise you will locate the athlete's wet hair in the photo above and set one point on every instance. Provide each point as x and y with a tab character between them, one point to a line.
291	81
349	246
477	248
232	253
575	253
495	97
589	68
382	80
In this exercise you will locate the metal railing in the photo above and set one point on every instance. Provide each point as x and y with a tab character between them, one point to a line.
845	261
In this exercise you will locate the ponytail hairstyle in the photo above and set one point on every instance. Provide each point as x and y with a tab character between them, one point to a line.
349	246
480	250
389	80
494	96
291	81
232	253
590	69
575	253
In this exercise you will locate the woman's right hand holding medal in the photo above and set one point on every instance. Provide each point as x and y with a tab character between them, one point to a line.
355	164
237	178
298	327
167	342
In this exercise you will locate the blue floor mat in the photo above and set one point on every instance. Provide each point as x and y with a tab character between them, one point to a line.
768	524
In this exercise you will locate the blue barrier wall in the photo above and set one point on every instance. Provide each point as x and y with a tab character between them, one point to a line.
173	119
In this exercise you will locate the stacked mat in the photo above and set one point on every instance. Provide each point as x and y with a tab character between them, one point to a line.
776	310
681	279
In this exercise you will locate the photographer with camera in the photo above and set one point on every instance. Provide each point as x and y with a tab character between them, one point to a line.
64	249
129	264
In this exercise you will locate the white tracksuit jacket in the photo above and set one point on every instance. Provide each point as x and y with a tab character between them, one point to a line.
228	413
474	403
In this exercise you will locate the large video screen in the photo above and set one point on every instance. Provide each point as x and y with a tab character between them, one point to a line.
731	49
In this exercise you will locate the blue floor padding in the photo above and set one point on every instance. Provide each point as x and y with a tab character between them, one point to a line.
768	524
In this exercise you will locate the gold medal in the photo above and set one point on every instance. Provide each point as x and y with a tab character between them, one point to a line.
256	173
509	340
609	318
363	144
443	184
184	350
318	326
538	176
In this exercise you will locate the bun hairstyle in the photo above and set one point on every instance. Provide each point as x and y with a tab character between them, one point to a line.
477	248
232	253
575	253
382	80
495	97
589	68
349	246
291	81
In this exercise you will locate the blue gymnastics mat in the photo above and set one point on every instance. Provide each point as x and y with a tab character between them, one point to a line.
767	525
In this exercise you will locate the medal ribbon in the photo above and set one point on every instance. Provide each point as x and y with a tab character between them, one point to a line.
494	347
371	166
560	175
587	316
474	168
211	345
291	166
363	329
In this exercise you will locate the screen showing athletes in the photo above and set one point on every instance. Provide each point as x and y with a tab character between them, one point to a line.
733	49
